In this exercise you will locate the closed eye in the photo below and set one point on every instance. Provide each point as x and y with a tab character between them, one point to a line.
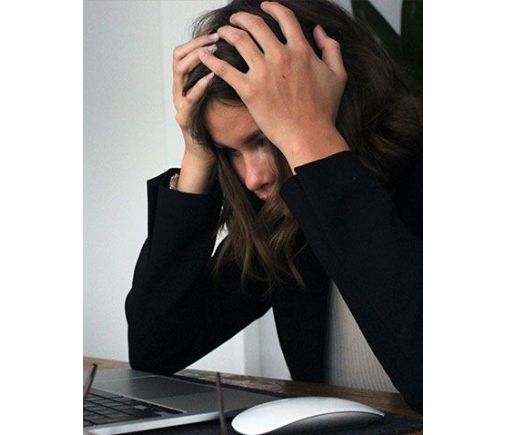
233	153
262	141
230	152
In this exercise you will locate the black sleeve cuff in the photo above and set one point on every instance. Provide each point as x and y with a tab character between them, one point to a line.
339	168
181	208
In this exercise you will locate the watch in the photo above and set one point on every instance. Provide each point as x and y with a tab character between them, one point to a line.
173	181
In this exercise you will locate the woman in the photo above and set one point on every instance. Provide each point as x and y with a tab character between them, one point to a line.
303	142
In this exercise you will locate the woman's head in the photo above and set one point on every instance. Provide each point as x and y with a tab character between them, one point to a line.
250	172
246	147
378	117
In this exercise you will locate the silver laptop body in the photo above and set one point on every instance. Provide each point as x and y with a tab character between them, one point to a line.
193	402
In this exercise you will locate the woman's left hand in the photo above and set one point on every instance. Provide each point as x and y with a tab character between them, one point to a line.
292	95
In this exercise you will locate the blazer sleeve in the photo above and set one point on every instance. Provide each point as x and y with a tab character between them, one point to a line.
355	230
176	312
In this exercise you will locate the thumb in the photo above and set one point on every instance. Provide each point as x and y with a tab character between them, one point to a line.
330	49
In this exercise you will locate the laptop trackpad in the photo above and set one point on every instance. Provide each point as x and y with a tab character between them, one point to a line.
152	387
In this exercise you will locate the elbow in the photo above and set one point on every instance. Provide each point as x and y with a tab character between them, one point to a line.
141	355
146	361
137	357
151	357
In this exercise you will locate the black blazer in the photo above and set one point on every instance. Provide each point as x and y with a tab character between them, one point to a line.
364	238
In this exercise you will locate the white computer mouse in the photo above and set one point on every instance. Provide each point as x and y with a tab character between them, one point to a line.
301	414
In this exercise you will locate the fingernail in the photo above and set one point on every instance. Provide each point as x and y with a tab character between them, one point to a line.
212	48
213	37
322	30
203	52
209	76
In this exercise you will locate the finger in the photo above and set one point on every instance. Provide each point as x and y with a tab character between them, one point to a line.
183	67
243	42
330	49
223	69
183	50
197	91
259	30
192	60
287	21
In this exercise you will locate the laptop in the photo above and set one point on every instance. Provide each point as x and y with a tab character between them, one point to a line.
123	400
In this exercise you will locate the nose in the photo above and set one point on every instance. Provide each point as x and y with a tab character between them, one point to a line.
257	171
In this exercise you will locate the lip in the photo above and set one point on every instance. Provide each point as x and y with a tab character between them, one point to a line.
263	195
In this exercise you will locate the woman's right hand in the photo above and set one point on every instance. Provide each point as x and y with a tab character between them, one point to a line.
185	58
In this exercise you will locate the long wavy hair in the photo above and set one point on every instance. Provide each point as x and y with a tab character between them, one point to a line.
378	116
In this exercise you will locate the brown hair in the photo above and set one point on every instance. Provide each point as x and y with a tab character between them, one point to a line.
378	117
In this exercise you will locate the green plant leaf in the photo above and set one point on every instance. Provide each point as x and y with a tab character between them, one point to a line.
412	30
365	12
412	42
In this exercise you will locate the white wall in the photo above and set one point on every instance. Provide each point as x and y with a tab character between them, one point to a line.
124	144
130	136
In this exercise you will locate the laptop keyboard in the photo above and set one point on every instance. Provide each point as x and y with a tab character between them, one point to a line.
101	407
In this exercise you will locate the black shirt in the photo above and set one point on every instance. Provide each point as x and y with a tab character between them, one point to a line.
364	238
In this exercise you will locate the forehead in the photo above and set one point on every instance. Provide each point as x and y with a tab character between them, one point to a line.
229	124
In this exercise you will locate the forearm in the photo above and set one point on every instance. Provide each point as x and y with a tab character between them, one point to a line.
179	315
176	311
354	229
177	251
196	175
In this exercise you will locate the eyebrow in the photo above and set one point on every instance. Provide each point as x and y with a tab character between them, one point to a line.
249	139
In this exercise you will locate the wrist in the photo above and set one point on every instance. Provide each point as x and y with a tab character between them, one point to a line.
203	160
318	144
196	175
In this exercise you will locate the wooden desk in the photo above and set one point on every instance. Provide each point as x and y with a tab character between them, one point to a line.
389	402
